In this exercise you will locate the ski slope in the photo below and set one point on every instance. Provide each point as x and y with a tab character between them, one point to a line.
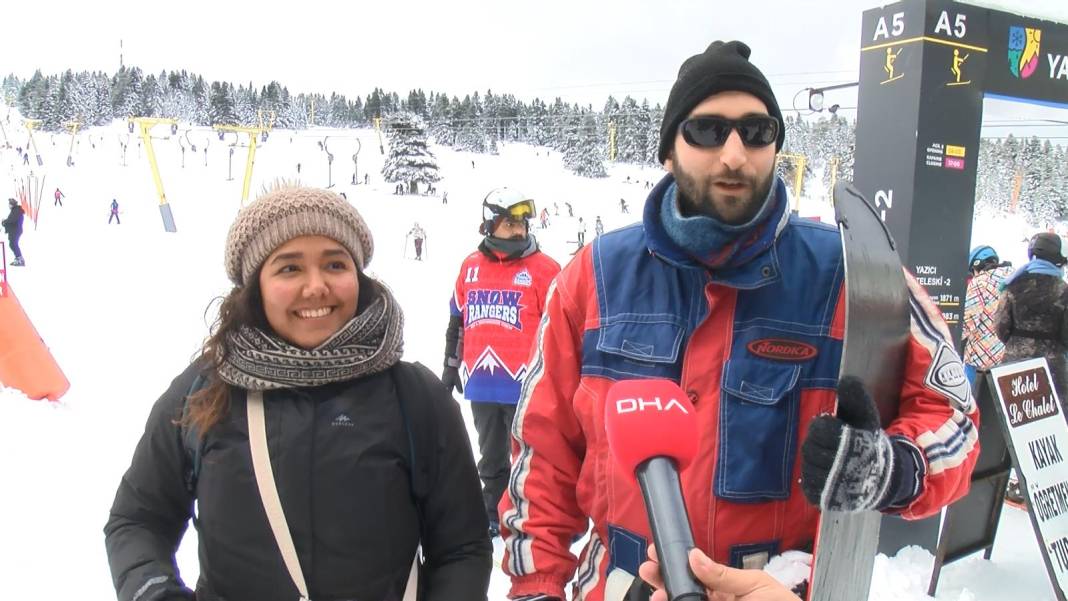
125	307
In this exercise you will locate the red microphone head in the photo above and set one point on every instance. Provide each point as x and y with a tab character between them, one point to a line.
649	418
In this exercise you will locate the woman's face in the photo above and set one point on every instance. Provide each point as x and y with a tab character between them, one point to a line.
309	288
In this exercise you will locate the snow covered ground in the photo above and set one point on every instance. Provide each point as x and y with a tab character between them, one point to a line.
125	307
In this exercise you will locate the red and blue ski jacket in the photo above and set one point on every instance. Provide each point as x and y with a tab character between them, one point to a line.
757	348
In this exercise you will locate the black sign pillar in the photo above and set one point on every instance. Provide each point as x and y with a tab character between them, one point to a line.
922	72
925	68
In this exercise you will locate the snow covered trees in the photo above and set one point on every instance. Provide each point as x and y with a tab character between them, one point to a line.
410	161
1027	176
126	93
477	122
1019	175
583	152
633	129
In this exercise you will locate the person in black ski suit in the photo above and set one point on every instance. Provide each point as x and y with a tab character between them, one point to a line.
13	227
1032	315
308	337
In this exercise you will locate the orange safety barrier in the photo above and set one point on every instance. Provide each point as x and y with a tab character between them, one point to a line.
25	362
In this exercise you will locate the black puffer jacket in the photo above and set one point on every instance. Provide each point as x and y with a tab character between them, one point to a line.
340	455
1032	321
13	222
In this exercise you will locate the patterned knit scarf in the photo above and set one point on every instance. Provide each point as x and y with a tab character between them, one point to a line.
370	343
715	244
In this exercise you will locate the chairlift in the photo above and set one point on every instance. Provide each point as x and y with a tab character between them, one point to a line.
190	142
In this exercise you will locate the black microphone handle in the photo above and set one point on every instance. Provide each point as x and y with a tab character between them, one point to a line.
670	524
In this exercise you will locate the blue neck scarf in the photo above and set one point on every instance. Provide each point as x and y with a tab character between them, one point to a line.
1039	266
710	241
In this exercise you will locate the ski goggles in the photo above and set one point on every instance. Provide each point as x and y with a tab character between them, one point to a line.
712	132
517	212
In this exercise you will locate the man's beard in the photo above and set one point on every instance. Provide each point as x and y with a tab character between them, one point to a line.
698	198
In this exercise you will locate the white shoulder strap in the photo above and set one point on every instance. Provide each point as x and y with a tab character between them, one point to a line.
412	588
261	464
272	504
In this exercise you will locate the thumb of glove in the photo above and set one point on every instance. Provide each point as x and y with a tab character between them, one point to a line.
856	408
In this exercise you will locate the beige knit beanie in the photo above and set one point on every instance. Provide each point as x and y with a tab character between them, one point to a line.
285	211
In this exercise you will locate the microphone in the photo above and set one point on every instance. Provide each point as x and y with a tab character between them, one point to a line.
652	433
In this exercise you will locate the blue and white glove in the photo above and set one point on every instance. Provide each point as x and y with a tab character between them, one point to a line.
848	463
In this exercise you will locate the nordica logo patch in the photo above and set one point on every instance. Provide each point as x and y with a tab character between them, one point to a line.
782	349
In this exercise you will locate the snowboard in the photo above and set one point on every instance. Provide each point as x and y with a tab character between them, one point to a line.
876	335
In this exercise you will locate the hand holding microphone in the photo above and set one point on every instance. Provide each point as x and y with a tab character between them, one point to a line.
652	433
723	582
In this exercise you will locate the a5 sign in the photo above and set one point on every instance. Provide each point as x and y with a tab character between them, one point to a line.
893	28
957	29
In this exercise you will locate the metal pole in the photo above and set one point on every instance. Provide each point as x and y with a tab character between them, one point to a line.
355	164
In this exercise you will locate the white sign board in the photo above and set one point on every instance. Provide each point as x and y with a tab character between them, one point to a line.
1037	432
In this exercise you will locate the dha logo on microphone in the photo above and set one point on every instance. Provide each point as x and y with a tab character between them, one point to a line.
640	404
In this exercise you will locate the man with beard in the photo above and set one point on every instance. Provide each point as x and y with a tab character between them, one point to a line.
496	305
722	291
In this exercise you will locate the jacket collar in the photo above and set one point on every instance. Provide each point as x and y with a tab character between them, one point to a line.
1036	266
495	253
756	265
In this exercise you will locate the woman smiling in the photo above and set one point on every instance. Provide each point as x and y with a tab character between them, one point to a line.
318	461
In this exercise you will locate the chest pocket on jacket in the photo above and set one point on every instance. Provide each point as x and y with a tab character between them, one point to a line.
646	347
758	426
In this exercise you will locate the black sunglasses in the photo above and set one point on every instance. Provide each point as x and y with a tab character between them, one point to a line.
712	132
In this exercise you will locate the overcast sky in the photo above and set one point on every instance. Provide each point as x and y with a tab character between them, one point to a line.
580	50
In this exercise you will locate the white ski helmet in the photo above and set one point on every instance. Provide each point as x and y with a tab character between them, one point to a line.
505	203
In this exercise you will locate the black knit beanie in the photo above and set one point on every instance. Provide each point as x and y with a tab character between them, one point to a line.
722	67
